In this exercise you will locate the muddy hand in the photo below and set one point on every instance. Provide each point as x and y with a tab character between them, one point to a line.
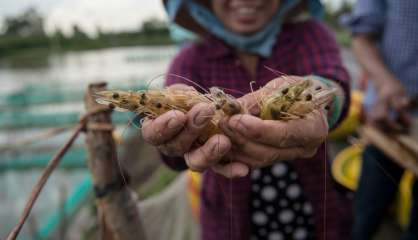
260	143
174	133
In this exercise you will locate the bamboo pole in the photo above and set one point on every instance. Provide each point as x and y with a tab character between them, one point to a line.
402	149
116	203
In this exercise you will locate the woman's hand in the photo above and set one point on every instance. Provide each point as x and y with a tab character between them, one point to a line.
175	133
259	143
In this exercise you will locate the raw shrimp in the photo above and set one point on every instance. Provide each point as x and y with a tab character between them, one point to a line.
288	102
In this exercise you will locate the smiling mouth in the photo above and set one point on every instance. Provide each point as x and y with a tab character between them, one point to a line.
246	11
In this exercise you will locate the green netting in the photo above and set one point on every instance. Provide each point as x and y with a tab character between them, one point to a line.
74	158
54	93
14	120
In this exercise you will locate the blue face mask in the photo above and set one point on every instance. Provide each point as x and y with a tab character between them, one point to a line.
260	43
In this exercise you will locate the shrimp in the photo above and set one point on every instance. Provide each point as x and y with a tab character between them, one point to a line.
288	102
225	102
295	100
155	102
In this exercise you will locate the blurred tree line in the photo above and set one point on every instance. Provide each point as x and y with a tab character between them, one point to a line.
25	32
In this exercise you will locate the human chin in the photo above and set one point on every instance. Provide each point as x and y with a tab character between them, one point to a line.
249	19
246	27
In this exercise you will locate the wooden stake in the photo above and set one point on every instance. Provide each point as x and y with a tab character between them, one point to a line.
117	206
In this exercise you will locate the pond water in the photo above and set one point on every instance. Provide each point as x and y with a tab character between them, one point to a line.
57	75
71	69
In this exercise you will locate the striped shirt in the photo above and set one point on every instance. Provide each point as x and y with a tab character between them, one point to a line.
302	48
394	23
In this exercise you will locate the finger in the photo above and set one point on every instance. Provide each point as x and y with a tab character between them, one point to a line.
197	119
310	130
232	170
208	154
382	118
379	113
156	131
256	154
400	103
252	101
405	119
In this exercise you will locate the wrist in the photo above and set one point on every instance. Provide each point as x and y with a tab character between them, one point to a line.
335	106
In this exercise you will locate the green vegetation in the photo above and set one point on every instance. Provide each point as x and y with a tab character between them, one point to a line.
24	35
333	17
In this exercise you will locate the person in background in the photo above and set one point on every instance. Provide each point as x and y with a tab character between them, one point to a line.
385	43
276	186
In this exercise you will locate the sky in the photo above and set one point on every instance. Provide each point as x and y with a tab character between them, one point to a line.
109	15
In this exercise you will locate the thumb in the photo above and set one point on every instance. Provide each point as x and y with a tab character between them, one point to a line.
252	101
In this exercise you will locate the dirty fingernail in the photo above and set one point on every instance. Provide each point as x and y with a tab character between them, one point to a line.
219	149
202	117
173	123
237	125
226	129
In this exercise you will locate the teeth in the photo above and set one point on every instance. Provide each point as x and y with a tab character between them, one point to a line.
246	11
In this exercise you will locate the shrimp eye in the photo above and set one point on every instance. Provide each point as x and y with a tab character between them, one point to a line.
327	107
234	109
318	88
218	106
111	106
276	115
308	97
231	105
286	90
158	105
115	95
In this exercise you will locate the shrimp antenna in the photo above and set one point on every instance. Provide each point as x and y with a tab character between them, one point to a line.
190	81
153	79
120	167
277	72
259	100
233	91
175	75
251	85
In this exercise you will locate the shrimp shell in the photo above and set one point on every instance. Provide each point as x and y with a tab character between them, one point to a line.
288	102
